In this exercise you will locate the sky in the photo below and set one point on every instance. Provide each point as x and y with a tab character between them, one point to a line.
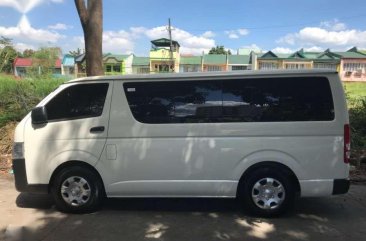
282	26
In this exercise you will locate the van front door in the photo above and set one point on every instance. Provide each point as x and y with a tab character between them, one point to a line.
78	116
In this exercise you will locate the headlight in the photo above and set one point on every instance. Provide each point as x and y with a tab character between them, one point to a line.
18	150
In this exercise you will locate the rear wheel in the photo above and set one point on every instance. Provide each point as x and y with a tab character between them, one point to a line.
267	191
77	190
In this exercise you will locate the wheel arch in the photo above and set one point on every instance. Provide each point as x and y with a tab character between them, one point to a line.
270	164
74	163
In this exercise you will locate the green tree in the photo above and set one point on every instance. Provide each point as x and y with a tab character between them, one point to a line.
219	50
27	53
7	55
43	61
76	52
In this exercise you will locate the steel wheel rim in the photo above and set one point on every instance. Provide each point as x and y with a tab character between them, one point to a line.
268	193
75	191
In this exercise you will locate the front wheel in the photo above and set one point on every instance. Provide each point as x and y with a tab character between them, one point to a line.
77	190
267	192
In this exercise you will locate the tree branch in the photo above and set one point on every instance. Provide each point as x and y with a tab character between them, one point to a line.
82	11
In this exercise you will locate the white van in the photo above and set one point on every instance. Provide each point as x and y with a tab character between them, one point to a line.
260	136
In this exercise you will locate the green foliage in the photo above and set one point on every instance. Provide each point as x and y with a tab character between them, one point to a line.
7	55
28	53
356	100
18	97
357	115
43	62
355	90
219	50
76	52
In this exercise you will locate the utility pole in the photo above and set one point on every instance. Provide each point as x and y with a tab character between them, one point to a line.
171	46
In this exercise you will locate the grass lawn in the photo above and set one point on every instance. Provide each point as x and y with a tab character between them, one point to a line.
355	90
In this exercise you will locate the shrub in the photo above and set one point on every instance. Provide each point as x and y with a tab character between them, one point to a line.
18	97
357	115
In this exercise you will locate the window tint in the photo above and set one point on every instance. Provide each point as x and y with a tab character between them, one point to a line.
239	100
277	99
78	101
175	102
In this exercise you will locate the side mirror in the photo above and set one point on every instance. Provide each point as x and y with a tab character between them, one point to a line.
39	115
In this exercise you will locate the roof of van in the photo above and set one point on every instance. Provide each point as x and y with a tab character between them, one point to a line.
205	74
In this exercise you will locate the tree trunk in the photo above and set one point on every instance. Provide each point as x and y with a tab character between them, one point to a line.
91	18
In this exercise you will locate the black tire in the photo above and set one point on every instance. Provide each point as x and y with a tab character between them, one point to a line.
258	177
93	187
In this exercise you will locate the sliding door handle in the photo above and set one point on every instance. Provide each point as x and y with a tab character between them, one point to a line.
97	129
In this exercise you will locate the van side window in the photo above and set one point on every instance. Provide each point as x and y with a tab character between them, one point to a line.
78	101
233	100
175	102
277	99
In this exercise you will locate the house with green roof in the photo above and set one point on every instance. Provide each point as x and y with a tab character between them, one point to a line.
352	65
162	60
117	64
271	60
140	65
324	60
238	62
190	64
298	60
214	62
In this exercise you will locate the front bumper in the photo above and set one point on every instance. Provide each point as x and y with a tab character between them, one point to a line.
340	186
21	182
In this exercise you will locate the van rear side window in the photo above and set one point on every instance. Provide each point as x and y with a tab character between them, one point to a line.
78	101
238	100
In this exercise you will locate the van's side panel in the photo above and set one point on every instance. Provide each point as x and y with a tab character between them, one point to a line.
208	159
48	146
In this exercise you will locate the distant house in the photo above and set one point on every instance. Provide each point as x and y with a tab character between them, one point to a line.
324	60
80	66
161	60
239	62
68	65
297	60
117	64
353	65
215	62
350	64
23	65
140	65
190	64
271	60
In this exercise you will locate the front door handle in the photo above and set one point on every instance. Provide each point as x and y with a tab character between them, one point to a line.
97	129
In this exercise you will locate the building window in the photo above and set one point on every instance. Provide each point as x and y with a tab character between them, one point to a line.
117	68
240	67
268	65
190	68
325	66
354	66
143	70
297	66
211	68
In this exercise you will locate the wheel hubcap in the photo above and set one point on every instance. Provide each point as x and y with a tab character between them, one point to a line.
268	193
75	191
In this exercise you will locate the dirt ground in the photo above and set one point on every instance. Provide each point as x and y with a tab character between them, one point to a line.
33	217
